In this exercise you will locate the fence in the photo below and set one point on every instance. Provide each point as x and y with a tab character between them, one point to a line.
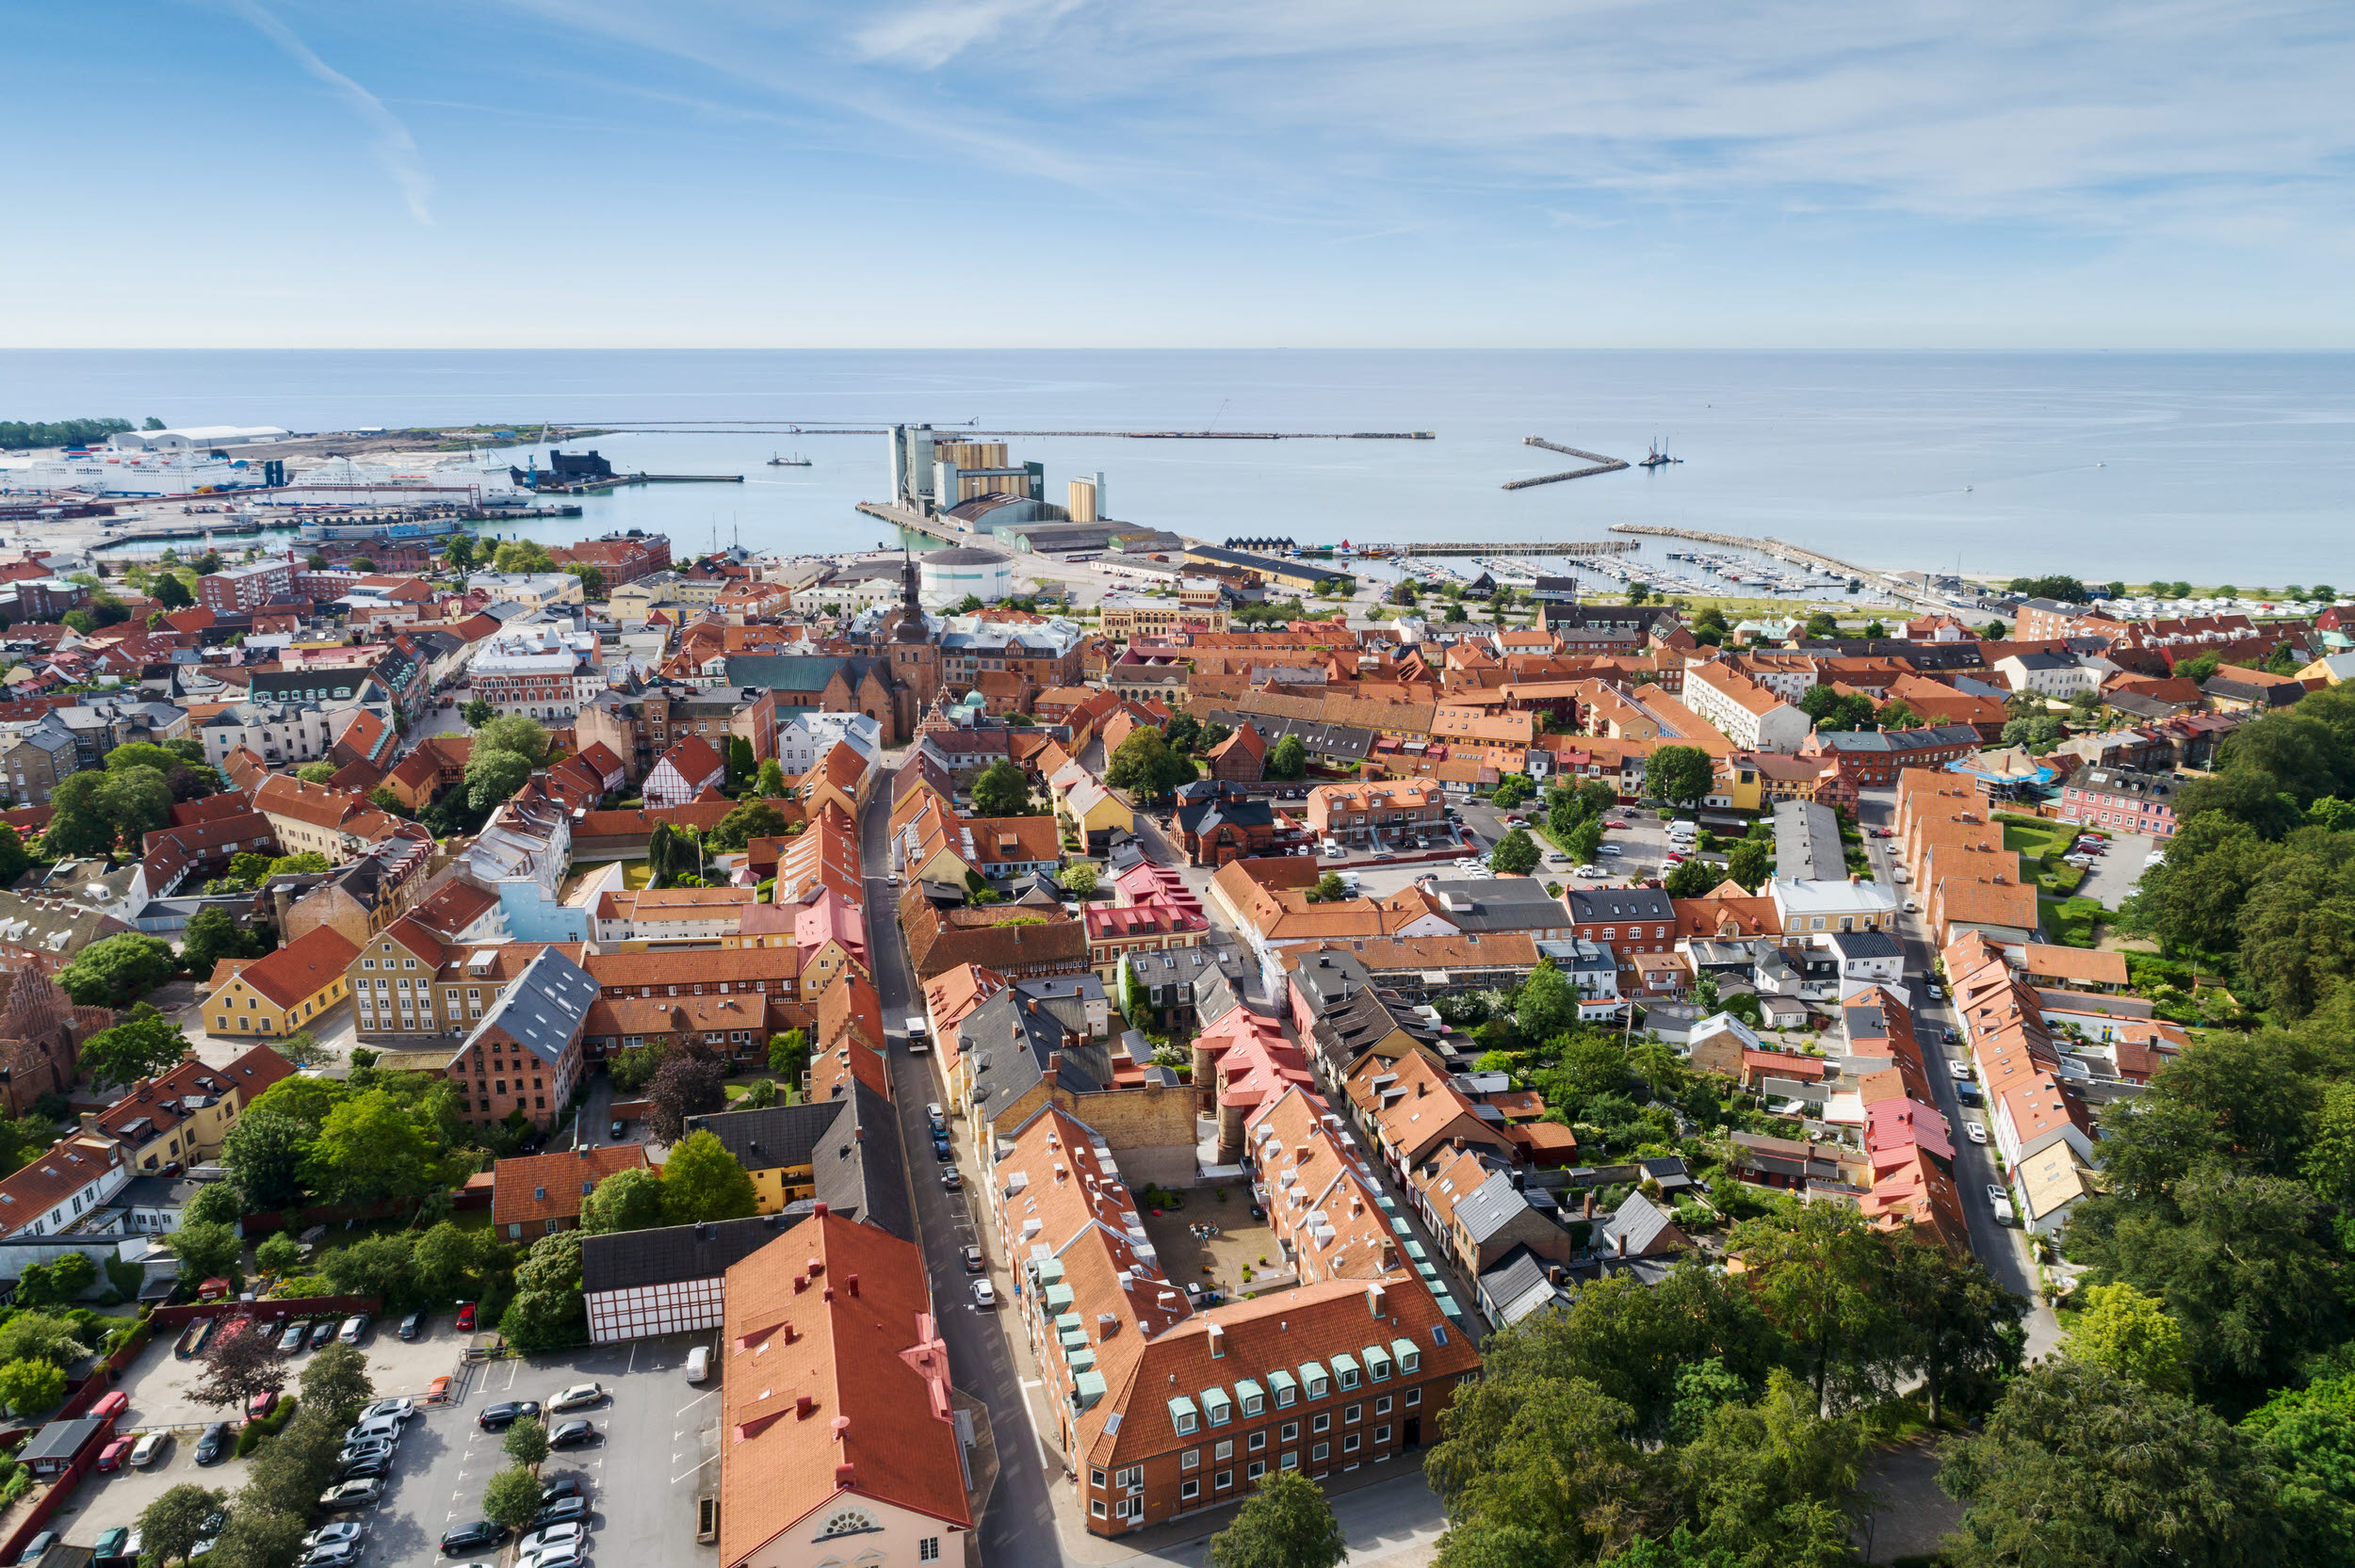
267	1311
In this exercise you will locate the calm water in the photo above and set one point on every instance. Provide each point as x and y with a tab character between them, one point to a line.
2213	468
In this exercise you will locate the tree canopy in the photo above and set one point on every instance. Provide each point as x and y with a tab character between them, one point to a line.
1144	765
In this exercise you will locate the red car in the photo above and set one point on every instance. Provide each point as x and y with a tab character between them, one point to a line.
111	1458
465	1319
259	1407
113	1404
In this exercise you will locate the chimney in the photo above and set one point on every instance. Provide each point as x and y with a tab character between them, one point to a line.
845	1475
819	1208
1588	1211
854	1280
802	1405
1618	1243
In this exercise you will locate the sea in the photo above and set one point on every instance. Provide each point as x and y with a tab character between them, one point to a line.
2213	468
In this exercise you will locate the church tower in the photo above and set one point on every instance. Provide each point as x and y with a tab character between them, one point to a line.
914	659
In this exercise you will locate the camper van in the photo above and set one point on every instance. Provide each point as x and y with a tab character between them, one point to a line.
919	1036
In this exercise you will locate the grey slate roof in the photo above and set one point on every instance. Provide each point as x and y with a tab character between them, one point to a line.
1499	904
1638	1218
671	1254
1491	1206
1621	903
60	1439
544	1011
1007	1040
1807	842
1854	945
1320	739
1518	1285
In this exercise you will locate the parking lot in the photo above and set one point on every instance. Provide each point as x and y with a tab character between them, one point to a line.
656	1448
159	1384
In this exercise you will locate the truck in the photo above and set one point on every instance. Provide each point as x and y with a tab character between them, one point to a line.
920	1038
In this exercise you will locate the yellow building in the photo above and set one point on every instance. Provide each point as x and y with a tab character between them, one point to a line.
185	1115
779	1147
283	991
1097	810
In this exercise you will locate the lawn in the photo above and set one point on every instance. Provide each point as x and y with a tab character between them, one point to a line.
2072	922
785	1094
636	874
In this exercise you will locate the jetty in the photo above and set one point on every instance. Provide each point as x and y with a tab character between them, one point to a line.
597	487
1564	547
915	522
1597	464
1799	555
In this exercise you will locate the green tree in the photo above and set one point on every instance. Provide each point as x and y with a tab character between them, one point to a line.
1515	855
378	1265
1284	1523
701	1182
310	863
521	555
2080	1468
625	1201
477	713
1584	842
1183	734
1766	1482
758	1095
1329	889
1750	862
548	1310
1536	1470
372	1148
1546	1005
456	1264
511	1498
1678	775
1690	879
1144	765
38	1336
591	579
14	861
213	935
740	761
525	737
2122	1331
114	971
493	775
1003	789
78	824
1961	1327
315	772
1079	878
631	1070
265	1150
769	786
140	1049
30	1387
2067	590
171	1526
335	1380
56	1283
2308	1434
1817	1271
1288	758
459	553
788	1055
746	822
278	1253
526	1442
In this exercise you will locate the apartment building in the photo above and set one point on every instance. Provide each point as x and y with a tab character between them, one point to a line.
1747	713
2121	800
1362	813
525	1055
241	589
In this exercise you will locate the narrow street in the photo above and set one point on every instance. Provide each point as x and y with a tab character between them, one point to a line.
1391	1521
2003	1248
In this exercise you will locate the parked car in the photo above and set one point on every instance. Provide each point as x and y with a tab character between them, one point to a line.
974	1262
984	1295
1938	992
342	1530
936	1119
321	1331
1959	1067
565	1556
941	1149
214	1445
113	1404
952	1178
112	1456
334	1555
1611	849
560	1510
499	1417
355	1329
466	1538
1912	908
412	1326
465	1319
377	1464
1975	1132
401	1409
36	1547
572	1434
352	1494
290	1338
562	1487
580	1396
368	1447
2000	1202
554	1535
110	1544
385	1427
150	1445
1945	1036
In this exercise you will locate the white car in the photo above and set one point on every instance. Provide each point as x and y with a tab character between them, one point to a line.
400	1410
343	1529
1610	850
580	1396
1912	908
1959	1067
565	1534
1975	1133
985	1294
2000	1202
1587	871
150	1444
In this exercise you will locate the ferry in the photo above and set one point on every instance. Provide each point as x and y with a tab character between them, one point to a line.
119	473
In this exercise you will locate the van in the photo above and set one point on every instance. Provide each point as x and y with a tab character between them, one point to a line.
699	1364
920	1038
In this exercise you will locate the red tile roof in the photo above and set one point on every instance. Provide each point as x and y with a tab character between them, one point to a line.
302	968
539	1187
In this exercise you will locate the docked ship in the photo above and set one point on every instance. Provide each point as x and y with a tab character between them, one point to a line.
109	472
470	484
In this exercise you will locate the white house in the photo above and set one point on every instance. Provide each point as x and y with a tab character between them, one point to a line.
1747	713
74	1177
810	735
1809	907
2051	674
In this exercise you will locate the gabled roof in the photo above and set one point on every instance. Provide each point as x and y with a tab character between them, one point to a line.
544	1011
302	968
538	1187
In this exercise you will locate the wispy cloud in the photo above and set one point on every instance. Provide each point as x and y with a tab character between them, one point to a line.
931	35
396	149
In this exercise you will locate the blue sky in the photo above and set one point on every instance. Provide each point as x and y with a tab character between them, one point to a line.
1707	173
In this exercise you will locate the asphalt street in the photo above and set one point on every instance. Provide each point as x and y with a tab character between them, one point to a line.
1399	1518
2003	1248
